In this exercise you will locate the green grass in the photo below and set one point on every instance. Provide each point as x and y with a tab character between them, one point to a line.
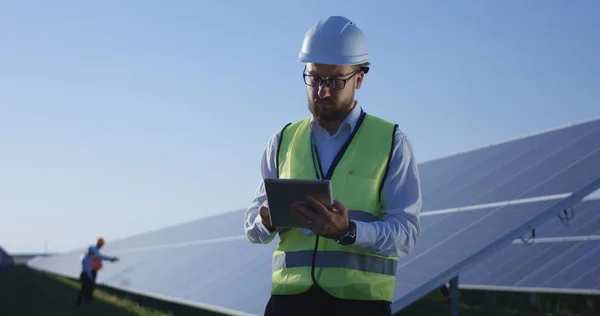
26	292
476	303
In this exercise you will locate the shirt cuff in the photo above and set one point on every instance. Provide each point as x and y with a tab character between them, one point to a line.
364	234
264	232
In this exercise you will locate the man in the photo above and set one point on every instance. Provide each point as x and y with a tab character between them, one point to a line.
345	263
87	279
97	257
91	263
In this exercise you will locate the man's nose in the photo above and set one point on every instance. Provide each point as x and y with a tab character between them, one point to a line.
323	91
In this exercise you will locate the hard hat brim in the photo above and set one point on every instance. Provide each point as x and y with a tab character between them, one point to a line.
344	60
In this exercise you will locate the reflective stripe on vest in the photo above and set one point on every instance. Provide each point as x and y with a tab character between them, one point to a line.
343	271
335	259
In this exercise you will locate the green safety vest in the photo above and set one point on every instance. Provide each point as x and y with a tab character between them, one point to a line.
342	271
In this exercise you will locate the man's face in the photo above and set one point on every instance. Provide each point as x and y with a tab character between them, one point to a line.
328	103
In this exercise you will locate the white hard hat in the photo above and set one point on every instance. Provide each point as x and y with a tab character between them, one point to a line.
334	41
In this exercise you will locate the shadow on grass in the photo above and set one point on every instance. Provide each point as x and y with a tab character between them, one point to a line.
25	292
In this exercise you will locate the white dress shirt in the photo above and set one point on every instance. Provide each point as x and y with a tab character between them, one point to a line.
96	252
86	265
397	231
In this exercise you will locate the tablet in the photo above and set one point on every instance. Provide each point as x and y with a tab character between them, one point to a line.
281	193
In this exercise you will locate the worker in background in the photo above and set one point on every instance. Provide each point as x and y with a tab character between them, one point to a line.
91	263
86	291
345	262
98	257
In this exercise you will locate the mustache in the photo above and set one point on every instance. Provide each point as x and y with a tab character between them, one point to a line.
323	101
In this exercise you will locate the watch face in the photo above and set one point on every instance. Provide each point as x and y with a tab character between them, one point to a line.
346	239
349	236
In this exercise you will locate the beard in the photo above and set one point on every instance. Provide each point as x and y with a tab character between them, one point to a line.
328	110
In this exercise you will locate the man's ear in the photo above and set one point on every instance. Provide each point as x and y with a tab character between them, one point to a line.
359	80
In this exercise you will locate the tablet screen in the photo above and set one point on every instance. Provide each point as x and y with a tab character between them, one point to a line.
281	193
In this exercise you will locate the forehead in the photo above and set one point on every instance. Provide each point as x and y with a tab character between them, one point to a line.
328	70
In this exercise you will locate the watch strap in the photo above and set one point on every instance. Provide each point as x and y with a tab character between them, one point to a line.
350	236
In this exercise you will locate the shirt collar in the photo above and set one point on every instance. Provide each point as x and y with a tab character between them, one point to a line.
351	119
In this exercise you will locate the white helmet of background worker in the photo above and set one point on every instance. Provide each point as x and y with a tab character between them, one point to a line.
335	41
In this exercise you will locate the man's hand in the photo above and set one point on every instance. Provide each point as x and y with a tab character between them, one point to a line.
331	224
264	215
113	259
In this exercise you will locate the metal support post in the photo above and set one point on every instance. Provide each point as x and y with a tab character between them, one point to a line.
454	299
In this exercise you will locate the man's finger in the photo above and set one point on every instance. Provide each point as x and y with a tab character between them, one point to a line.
307	213
317	206
314	224
301	216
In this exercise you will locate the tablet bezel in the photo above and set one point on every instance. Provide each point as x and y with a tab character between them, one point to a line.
295	190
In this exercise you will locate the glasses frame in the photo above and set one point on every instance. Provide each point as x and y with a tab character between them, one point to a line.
329	81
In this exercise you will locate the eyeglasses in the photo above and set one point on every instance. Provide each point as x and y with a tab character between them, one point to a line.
335	83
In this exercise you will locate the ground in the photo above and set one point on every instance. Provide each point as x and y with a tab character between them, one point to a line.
476	303
26	292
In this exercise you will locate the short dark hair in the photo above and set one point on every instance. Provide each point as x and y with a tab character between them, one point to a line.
363	67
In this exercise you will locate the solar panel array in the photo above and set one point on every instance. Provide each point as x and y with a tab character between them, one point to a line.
564	257
467	216
548	167
200	263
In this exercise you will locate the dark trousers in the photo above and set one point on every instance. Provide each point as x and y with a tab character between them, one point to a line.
86	292
317	302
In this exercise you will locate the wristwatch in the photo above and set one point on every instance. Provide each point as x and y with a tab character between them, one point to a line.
349	237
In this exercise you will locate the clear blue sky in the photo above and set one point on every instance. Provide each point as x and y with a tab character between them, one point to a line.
118	117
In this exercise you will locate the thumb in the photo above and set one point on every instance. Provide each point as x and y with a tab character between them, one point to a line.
264	212
264	215
266	219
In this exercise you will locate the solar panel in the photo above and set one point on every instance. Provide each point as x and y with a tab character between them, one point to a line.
554	169
507	170
474	202
198	263
563	257
207	228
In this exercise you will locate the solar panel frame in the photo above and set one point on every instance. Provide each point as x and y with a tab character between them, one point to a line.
433	283
559	249
500	183
579	271
210	227
472	172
